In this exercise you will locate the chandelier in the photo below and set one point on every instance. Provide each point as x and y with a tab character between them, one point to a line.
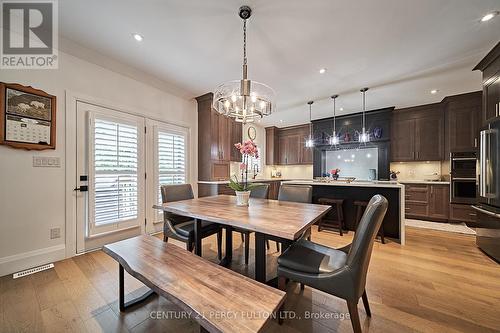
244	100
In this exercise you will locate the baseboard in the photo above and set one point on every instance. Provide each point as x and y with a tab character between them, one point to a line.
25	260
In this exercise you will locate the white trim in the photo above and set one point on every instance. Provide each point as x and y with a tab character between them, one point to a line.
25	260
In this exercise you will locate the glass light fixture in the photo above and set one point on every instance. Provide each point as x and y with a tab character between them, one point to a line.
334	139
244	100
310	140
364	136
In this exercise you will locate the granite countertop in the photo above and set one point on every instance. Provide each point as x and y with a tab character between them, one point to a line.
359	183
437	182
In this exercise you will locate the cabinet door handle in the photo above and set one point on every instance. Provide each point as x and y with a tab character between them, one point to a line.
475	142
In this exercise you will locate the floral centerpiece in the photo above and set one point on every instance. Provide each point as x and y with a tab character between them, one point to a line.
247	149
335	173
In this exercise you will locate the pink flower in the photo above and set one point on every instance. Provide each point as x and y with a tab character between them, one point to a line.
243	166
237	145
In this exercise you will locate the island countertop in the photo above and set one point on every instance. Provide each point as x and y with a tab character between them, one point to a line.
361	183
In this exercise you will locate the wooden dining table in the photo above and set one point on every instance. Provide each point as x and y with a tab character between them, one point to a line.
281	221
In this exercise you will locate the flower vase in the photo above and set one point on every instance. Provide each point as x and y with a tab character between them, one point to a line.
242	198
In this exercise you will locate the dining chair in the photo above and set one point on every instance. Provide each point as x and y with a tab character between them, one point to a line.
339	272
259	192
181	228
297	193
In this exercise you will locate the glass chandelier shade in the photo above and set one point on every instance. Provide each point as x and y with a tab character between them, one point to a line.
244	100
364	136
310	140
334	139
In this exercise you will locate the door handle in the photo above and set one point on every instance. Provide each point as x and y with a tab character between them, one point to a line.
83	188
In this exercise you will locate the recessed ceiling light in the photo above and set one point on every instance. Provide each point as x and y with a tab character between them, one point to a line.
322	71
341	109
138	37
434	91
281	120
489	16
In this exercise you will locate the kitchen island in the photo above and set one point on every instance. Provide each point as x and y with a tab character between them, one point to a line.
394	221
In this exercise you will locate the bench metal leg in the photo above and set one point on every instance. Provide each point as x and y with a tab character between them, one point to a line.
125	305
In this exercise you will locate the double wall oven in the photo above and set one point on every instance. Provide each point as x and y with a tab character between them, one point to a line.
463	185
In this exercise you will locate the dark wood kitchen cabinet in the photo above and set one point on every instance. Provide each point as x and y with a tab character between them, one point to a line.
214	147
286	146
418	134
403	140
462	122
490	66
427	201
236	135
429	137
439	201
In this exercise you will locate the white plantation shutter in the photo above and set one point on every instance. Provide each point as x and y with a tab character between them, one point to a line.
171	158
115	169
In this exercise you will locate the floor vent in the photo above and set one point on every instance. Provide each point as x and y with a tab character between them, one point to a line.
32	270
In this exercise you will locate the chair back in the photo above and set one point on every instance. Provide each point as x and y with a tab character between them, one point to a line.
260	192
171	193
358	257
295	193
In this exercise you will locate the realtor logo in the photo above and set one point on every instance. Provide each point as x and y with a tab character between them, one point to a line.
29	34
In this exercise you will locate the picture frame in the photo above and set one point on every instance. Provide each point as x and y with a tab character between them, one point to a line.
27	117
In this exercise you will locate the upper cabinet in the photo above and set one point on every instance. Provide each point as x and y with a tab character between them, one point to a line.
216	137
490	66
418	134
462	122
286	146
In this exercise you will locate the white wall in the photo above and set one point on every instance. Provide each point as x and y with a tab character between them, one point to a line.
32	200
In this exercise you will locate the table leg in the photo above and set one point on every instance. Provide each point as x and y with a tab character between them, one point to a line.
125	305
197	237
228	256
260	257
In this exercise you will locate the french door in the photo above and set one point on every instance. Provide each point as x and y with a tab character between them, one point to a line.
122	161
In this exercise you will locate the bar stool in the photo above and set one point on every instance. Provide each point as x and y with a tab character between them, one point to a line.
360	209
335	218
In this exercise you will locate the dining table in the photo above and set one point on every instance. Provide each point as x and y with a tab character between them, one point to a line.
281	221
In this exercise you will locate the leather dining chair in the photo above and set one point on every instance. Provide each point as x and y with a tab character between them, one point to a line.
259	192
181	228
339	272
296	193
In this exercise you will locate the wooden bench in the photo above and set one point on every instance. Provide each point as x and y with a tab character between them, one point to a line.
219	299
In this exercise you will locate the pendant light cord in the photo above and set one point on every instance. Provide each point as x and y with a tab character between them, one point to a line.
364	110
244	42
334	116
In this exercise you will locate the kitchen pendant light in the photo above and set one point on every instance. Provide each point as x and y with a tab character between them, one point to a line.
334	139
364	136
310	140
244	100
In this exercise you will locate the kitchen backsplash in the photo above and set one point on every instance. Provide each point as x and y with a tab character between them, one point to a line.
421	170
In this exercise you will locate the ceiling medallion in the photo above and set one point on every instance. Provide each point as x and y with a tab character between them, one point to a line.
244	100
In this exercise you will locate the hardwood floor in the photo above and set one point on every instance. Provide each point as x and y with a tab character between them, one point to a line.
438	282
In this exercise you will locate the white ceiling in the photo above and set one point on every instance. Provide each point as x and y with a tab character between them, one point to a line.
401	49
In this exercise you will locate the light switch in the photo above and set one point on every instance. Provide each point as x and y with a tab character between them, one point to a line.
46	162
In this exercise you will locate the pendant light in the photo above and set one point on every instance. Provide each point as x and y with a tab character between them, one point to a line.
244	100
310	140
334	139
364	136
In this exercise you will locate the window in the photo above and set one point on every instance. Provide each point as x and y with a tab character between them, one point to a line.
171	158
116	172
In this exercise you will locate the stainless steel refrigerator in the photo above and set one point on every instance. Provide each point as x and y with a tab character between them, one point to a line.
488	207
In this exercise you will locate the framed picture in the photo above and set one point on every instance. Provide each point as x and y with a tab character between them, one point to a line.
27	118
